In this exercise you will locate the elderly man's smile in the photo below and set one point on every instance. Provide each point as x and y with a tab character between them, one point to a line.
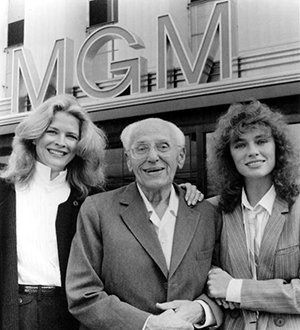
154	170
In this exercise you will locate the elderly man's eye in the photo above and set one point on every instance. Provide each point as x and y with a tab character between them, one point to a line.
163	147
142	148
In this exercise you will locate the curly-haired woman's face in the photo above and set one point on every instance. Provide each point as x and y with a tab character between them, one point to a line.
254	153
57	146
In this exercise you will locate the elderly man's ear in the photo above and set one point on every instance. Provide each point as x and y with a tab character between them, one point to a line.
128	162
181	157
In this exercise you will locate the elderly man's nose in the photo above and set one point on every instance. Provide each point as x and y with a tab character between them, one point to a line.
153	154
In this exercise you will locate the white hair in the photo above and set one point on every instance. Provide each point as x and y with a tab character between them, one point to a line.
130	129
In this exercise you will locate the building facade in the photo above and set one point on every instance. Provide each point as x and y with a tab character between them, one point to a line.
181	60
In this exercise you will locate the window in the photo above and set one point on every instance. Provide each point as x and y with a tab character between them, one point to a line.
199	16
15	37
15	33
188	173
208	149
197	1
295	132
117	173
5	149
103	11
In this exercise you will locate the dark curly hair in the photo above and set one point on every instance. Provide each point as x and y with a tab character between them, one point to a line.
226	180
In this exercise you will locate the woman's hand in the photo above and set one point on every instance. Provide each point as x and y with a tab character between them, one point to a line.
192	195
217	283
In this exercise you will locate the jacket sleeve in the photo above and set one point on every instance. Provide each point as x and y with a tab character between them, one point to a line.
215	309
87	299
280	294
273	296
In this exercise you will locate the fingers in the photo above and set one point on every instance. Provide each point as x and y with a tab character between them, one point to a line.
231	305
195	197
215	270
167	305
174	305
226	304
201	196
167	320
192	195
219	301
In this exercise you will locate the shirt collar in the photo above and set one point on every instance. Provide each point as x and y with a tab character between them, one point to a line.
173	202
267	201
43	172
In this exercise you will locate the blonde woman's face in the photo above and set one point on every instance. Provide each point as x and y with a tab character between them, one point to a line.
57	146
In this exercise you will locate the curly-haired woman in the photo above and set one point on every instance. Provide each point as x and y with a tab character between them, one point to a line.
256	171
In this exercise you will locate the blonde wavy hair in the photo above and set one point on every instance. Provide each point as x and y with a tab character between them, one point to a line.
85	171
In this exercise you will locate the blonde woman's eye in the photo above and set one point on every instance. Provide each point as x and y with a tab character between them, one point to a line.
73	137
51	132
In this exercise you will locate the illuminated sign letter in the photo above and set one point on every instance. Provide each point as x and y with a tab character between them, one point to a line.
132	69
193	66
25	79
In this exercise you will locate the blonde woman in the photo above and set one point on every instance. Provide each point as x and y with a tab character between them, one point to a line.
57	158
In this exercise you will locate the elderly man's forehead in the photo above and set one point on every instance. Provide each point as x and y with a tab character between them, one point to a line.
151	130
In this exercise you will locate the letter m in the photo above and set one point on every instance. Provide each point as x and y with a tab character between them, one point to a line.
25	79
216	37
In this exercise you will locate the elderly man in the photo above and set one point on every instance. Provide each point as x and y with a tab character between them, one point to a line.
140	257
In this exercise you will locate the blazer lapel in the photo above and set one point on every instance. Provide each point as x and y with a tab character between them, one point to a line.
186	225
270	239
137	219
236	241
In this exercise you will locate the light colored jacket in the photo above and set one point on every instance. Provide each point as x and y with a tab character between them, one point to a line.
276	294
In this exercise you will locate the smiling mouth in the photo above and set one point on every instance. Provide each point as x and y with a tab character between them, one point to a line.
153	170
255	163
57	153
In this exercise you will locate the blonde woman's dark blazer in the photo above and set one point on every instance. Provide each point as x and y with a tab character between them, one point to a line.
65	229
276	294
117	270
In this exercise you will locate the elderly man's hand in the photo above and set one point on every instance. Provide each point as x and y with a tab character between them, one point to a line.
227	304
190	311
167	320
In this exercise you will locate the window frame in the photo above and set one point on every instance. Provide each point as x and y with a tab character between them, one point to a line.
112	13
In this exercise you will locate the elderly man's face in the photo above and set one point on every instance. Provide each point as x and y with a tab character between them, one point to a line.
154	156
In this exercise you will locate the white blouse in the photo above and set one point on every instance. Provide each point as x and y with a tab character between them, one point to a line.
36	208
